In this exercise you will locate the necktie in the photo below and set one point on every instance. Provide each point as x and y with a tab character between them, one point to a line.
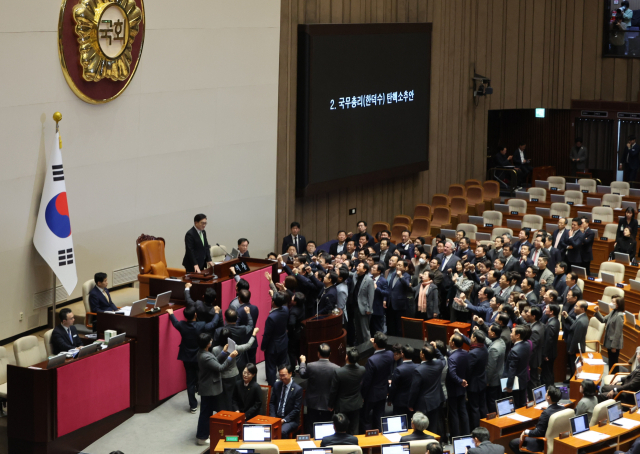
295	240
535	257
558	239
285	392
444	262
521	260
201	238
70	337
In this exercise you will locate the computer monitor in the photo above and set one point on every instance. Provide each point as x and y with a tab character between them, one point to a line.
514	224
557	198
631	205
551	227
635	284
607	278
56	360
257	433
88	350
501	207
604	307
602	189
476	220
116	340
540	394
460	444
505	406
634	192
523	195
580	271
483	236
614	412
323	429
629	318
638	399
394	424
317	451
594	201
585	214
395	448
622	258
572	187
138	307
542	184
448	233
544	212
579	424
163	299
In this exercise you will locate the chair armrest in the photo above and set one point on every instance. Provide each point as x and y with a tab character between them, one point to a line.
176	272
544	440
144	278
597	342
631	393
627	365
88	319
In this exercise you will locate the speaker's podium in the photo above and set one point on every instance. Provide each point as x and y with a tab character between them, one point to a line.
324	329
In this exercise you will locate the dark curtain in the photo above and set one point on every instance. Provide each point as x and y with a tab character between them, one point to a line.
626	129
598	137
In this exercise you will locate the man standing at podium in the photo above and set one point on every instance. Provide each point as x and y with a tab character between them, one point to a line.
197	254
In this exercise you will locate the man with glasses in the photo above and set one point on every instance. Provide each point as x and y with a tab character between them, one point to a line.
286	401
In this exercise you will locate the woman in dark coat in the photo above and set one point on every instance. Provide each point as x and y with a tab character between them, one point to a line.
247	394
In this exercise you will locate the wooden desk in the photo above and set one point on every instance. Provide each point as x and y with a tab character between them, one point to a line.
275	423
291	445
574	387
503	430
321	329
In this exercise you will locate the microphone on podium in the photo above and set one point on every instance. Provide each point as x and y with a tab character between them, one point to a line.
225	251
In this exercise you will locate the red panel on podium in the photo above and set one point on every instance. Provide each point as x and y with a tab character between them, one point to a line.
171	375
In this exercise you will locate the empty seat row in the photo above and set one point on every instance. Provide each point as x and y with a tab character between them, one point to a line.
577	198
617	187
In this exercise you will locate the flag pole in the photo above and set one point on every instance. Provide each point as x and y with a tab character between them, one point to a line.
57	117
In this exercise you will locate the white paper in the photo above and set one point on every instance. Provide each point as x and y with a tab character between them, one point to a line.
594	362
173	279
592	436
232	345
627	423
394	424
588	376
394	437
598	279
126	310
503	384
518	417
307	445
560	333
541	406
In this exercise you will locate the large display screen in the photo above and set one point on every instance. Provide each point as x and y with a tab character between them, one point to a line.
363	103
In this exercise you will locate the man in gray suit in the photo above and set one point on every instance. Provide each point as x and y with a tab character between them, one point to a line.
495	365
362	292
344	396
576	333
319	374
483	445
578	156
532	317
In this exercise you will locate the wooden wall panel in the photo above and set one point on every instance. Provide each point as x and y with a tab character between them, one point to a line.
538	53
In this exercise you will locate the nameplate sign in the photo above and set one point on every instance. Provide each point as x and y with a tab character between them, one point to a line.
515	212
569	203
634	409
555	216
604	238
619	285
303	437
597	221
534	200
488	225
371	433
591	278
232	439
585	191
602	422
554	189
491	415
564	435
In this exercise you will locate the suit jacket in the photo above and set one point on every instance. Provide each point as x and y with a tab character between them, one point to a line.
339	439
366	293
576	332
550	346
522	267
518	245
433	303
541	428
586	251
376	247
328	296
532	299
555	257
614	322
495	362
469	253
486	447
581	155
342	290
210	368
380	295
292	405
196	253
60	341
375	382
99	303
477	369
416	435
426	392
205	312
243	319
560	283
635	447
564	235
288	241
629	382
189	332
538	337
406	251
275	339
458	366
401	384
319	373
633	154
447	282
333	249
494	254
398	290
247	399
574	255
345	388
513	264
518	364
517	159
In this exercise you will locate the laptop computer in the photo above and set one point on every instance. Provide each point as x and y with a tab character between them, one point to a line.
579	424
256	433
56	360
88	350
234	253
602	189
604	307
622	258
635	285
395	448
483	236
460	444
323	429
514	224
138	307
476	220
326	450
505	406
163	299
584	214
557	198
116	340
523	195
393	426
539	394
544	212
241	451
593	201
607	278
501	207
631	205
572	187
615	412
581	272
637	396
542	184
448	233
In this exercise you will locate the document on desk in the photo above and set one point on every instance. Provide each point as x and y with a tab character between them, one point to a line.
393	437
126	310
232	347
541	406
626	423
518	417
503	384
592	436
588	376
594	362
307	445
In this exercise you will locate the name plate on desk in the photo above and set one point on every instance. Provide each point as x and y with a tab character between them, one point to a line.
303	437
515	212
530	404
633	410
371	433
491	415
569	203
602	422
604	238
606	206
591	278
554	189
597	221
241	268
619	285
534	200
232	439
488	225
555	216
585	191
564	435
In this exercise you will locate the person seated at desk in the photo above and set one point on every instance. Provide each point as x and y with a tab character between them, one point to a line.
419	423
65	336
286	401
630	382
99	297
243	248
341	437
533	445
247	394
626	244
483	445
589	399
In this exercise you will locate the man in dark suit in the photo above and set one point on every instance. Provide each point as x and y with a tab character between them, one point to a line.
319	374
518	364
286	400
379	296
550	345
465	251
447	267
523	240
630	159
630	382
483	445
375	382
555	256
99	297
574	242
385	251
197	253
401	383
243	248
527	438
189	331
406	248
240	334
384	235
340	437
560	280
476	372
576	333
362	232
397	302
295	239
634	449
586	252
560	235
206	308
524	262
511	263
65	336
496	251
244	298
426	395
538	331
419	423
340	246
457	383
345	396
327	299
522	164
275	342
